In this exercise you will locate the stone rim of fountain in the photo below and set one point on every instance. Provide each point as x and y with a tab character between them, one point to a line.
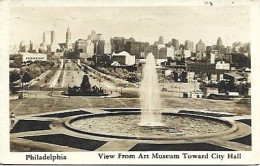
67	124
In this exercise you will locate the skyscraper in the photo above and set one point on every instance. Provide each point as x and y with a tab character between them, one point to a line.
161	40
43	37
52	37
200	46
117	44
175	44
189	45
53	45
68	38
219	41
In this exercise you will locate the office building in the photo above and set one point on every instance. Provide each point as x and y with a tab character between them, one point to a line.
219	42
200	46
117	44
221	65
103	47
189	45
161	40
175	44
26	56
85	48
123	58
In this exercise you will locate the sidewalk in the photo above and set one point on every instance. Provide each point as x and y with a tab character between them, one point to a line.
57	75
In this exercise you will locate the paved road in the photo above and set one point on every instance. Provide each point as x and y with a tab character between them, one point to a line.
72	76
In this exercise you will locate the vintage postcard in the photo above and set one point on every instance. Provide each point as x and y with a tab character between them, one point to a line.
128	82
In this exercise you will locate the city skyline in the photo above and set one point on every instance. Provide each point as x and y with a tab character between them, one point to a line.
144	24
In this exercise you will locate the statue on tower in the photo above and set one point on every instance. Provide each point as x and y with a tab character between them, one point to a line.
85	85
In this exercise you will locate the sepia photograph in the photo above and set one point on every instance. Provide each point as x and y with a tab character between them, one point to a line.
130	79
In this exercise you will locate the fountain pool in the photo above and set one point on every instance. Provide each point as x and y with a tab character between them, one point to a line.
125	125
150	123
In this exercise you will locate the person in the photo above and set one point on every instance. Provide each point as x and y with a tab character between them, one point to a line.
12	117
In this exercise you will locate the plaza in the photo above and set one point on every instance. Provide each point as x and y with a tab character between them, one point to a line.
39	124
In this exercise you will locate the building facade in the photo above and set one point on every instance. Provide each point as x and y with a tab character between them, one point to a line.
161	40
200	46
117	44
85	48
189	45
103	47
33	57
123	58
221	65
175	44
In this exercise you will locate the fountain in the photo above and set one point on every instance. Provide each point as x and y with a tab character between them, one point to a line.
148	122
150	95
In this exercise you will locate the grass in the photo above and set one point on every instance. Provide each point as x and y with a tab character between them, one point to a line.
41	105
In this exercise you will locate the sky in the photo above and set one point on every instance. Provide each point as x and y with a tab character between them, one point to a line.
142	23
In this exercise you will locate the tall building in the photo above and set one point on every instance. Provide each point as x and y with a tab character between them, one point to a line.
31	47
68	39
219	42
200	46
131	39
145	49
212	58
52	37
117	44
44	45
103	47
208	50
85	48
175	44
155	51
23	47
161	40
189	45
107	47
134	48
166	52
54	46
94	37
43	37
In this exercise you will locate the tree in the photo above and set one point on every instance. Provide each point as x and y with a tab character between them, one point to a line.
14	76
175	76
26	77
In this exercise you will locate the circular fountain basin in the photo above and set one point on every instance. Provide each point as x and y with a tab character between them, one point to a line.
125	125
